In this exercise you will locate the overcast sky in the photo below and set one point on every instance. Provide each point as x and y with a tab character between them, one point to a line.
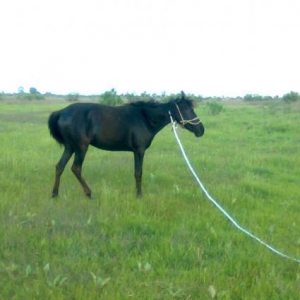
204	47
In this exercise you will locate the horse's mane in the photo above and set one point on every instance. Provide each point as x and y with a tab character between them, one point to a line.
152	103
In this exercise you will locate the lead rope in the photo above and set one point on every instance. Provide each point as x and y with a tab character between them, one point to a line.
218	205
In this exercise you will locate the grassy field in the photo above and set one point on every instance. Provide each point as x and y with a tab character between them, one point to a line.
172	243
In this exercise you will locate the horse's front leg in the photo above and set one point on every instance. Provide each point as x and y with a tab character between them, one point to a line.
138	171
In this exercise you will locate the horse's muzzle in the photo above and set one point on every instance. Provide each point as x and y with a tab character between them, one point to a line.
199	130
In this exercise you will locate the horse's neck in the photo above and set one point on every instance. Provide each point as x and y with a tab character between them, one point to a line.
157	117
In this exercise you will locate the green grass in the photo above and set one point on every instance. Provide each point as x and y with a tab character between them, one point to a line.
172	243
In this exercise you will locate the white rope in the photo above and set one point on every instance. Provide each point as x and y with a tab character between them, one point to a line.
219	206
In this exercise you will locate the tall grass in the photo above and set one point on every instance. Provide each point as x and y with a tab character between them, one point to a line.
172	243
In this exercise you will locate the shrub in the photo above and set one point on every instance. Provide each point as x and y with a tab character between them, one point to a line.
214	107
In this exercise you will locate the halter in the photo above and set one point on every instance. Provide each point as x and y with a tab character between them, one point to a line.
183	122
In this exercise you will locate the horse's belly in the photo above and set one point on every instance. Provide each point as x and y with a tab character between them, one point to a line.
110	146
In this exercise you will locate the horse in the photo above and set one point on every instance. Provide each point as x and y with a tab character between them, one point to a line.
129	127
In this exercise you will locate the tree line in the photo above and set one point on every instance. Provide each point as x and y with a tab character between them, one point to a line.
111	97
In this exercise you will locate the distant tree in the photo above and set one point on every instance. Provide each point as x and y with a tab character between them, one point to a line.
33	90
199	98
130	97
111	98
144	96
34	94
291	97
21	90
267	98
48	94
73	97
253	97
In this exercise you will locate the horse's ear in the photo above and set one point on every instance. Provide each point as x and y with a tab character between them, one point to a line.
182	95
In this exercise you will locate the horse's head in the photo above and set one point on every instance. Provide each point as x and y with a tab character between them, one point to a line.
183	113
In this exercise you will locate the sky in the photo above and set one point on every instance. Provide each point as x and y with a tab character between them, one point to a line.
203	47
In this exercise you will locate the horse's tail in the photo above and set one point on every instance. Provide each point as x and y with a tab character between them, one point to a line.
54	128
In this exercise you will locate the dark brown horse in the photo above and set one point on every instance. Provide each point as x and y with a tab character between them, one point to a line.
130	127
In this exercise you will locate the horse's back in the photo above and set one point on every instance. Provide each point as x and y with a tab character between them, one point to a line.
105	127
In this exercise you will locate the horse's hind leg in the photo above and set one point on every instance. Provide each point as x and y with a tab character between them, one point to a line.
77	167
60	168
